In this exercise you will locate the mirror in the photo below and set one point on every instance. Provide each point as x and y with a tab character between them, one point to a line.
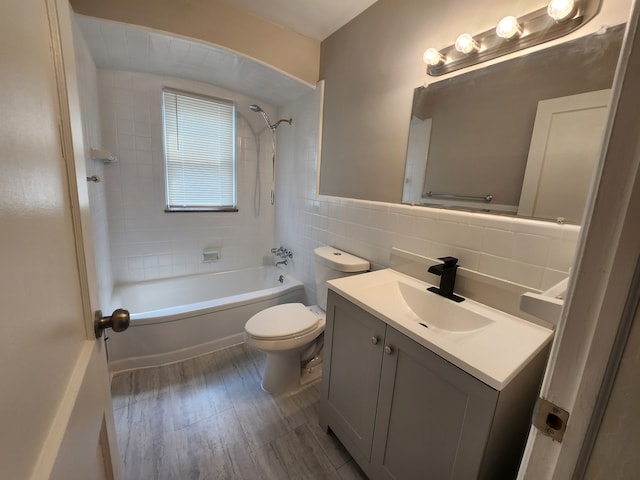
470	136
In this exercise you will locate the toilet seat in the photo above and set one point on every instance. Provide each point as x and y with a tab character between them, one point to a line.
281	322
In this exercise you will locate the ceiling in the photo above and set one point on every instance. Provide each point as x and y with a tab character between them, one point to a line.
120	46
314	18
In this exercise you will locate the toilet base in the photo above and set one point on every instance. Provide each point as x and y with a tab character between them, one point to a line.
281	371
311	372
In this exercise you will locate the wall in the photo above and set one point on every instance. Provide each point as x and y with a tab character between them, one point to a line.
219	23
146	242
296	186
371	67
375	62
615	453
88	85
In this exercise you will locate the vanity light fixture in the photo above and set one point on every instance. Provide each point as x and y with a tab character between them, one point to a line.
466	44
433	57
561	10
509	28
557	19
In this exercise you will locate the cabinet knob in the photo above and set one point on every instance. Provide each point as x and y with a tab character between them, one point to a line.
374	340
388	349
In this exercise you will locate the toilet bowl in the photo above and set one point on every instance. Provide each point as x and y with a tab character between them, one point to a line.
284	331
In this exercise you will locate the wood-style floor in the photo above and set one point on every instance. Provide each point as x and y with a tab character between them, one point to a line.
208	418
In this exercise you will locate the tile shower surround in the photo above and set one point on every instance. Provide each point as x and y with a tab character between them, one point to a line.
147	243
92	136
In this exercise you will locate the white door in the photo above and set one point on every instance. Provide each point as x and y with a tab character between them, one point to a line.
565	145
608	253
55	405
417	157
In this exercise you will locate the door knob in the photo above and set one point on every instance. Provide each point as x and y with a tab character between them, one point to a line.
374	340
388	349
118	321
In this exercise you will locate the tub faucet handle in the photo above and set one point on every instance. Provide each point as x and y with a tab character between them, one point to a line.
282	252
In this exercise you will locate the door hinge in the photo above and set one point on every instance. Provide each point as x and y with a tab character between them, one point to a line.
550	419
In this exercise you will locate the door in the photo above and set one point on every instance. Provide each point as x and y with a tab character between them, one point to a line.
565	145
417	157
55	406
433	419
608	252
352	366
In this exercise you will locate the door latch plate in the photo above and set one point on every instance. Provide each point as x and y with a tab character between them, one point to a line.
550	419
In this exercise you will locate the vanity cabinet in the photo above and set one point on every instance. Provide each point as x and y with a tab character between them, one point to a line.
404	412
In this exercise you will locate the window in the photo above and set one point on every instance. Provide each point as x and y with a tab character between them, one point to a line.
200	154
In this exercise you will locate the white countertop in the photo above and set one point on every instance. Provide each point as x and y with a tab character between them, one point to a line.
493	354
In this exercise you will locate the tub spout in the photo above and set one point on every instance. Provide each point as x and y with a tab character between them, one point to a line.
284	262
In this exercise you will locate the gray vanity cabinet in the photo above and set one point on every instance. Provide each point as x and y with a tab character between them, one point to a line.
405	413
431	415
350	391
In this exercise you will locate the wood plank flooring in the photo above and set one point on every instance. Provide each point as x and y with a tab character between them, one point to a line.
208	418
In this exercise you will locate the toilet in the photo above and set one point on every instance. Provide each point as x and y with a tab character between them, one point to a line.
284	332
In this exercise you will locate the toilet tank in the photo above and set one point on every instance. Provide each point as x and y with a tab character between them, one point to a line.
333	263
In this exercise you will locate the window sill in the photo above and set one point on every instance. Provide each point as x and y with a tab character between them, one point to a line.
203	209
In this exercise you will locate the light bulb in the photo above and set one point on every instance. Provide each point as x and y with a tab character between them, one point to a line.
561	10
509	28
433	57
466	44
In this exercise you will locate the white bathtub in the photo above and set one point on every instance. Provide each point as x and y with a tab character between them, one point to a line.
177	318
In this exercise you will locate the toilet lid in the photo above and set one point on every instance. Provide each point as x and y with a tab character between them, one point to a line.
282	321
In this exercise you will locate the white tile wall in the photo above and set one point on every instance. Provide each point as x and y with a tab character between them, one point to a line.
146	242
533	253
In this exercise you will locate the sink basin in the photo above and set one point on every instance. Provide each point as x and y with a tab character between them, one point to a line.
439	312
426	308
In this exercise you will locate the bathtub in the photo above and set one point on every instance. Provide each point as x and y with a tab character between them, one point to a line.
177	318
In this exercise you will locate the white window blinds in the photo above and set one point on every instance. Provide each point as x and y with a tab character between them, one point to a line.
199	138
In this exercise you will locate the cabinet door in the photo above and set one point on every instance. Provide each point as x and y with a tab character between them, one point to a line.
353	361
433	419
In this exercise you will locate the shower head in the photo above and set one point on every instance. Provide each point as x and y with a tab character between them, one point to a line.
258	109
272	126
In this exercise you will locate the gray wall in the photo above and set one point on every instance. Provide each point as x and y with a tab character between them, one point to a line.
371	67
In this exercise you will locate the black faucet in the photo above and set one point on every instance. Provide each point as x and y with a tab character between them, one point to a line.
447	273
